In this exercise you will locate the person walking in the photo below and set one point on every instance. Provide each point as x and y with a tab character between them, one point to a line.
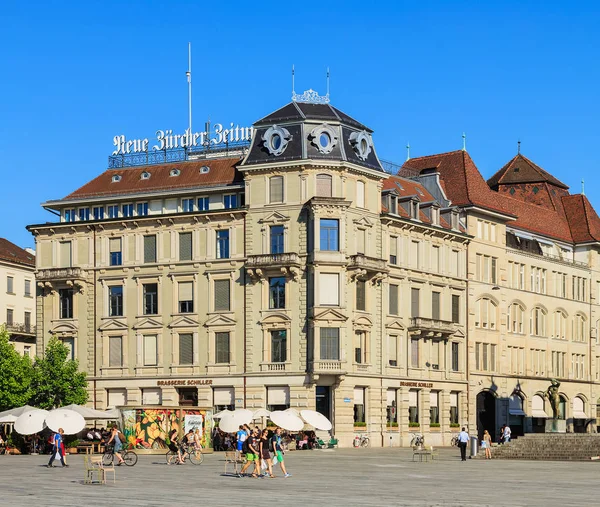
118	445
241	438
463	440
278	450
57	448
265	453
252	454
197	439
486	443
506	434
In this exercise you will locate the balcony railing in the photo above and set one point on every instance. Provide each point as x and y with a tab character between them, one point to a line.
327	366
550	257
273	367
361	261
59	274
436	326
23	329
273	260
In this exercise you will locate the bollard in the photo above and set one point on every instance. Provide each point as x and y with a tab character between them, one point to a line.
474	447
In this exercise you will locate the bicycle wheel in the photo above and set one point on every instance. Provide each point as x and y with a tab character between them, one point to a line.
107	458
196	456
130	458
365	442
171	457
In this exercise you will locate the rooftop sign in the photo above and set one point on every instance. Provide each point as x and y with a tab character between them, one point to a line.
166	139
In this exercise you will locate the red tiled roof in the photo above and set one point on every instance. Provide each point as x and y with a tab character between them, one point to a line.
222	172
522	170
12	253
585	224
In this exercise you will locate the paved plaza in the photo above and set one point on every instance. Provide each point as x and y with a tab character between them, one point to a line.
366	477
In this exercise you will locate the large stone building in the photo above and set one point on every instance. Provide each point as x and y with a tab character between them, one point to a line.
17	296
298	273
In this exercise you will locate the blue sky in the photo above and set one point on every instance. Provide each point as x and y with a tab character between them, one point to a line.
75	74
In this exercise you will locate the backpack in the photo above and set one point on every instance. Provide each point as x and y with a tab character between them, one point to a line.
271	446
122	437
245	448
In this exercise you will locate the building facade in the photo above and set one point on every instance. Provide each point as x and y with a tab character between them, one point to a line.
300	274
17	296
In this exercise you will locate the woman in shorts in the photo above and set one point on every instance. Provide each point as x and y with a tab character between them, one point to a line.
264	451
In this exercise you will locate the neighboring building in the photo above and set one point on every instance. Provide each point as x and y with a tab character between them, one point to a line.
17	296
534	291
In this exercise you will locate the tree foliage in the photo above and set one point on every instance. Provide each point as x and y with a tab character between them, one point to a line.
15	375
57	380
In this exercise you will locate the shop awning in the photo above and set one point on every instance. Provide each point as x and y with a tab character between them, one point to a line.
539	414
522	235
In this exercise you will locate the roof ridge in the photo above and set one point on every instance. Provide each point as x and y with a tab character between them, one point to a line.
446	153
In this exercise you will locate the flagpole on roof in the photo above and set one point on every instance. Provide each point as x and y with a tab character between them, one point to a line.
189	80
464	138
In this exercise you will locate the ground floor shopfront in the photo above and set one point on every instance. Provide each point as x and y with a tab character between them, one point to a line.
388	410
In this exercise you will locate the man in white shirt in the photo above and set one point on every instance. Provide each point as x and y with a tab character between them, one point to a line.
463	440
506	434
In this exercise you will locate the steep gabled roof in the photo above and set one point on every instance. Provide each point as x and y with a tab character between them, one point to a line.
582	217
522	170
12	253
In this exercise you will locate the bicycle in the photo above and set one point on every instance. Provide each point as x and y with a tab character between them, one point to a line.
361	440
187	452
454	441
417	441
129	457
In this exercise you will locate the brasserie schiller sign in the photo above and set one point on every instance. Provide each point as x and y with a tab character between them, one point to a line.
184	382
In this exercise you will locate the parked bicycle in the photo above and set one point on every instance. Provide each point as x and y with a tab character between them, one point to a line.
129	457
417	440
361	440
190	452
454	441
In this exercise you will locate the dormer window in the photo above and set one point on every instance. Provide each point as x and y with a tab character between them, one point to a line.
435	216
393	200
145	175
174	172
454	219
116	178
414	209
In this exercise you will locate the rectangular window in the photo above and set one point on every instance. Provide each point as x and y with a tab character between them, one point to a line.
203	204
454	263
414	260
435	305
222	350
187	205
66	259
114	247
360	241
113	211
359	405
115	301
230	201
330	343
393	250
186	348
151	396
150	293
455	308
65	303
413	406
277	239
435	259
455	356
150	248
453	408
150	350
223	244
361	295
393	350
360	194
415	294
127	210
360	347
115	352
186	297
27	288
142	209
277	292
10	317
329	289
185	246
84	213
434	410
391	408
324	185
279	346
276	189
393	306
329	234
10	285
27	317
70	215
98	212
222	303
414	352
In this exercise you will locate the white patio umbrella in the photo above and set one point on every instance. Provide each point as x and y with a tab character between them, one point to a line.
292	411
316	419
261	412
220	414
92	414
286	420
10	416
32	421
231	422
70	421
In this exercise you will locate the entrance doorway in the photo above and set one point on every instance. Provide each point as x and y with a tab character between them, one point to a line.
323	398
486	414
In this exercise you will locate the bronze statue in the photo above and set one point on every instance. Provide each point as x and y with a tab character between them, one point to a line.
552	393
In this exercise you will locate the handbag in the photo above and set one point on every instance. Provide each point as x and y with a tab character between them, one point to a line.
275	460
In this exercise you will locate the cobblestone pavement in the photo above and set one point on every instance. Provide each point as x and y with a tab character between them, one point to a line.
366	477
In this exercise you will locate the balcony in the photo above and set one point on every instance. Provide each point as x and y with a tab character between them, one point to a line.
21	329
59	274
281	367
431	327
287	263
331	367
368	266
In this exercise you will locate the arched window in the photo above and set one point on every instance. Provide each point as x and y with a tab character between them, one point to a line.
324	185
515	318
538	322
360	194
560	325
538	407
579	408
579	328
485	313
276	189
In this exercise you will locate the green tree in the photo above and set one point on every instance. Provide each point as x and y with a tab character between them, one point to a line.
57	380
15	375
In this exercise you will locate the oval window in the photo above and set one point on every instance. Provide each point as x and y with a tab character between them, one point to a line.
275	141
324	139
364	146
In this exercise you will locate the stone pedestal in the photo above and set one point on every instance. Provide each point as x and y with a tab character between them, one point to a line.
556	426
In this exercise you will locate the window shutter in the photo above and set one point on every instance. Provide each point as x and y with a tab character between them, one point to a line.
115	352
359	396
150	355
185	246
186	348
392	348
222	348
433	399
117	398
114	245
414	302
330	343
455	308
414	352
329	289
393	310
454	399
65	254
221	295
435	305
276	189
324	185
151	396
186	290
391	397
150	248
360	295
413	398
394	246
